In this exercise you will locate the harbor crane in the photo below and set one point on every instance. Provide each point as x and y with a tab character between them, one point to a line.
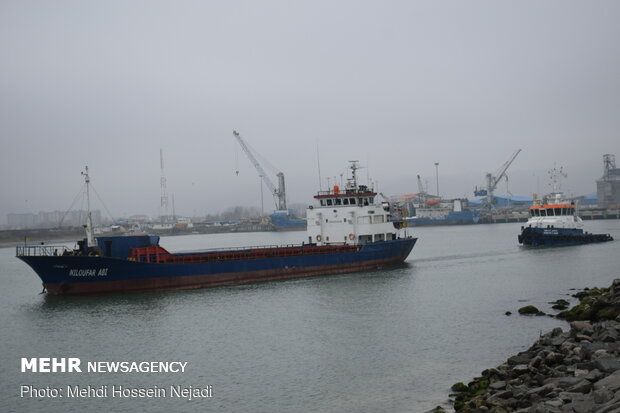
493	179
422	195
279	193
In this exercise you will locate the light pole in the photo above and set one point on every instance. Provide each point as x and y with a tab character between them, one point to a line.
437	176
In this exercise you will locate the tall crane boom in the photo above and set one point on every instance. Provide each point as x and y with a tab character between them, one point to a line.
501	172
422	195
421	190
493	179
279	193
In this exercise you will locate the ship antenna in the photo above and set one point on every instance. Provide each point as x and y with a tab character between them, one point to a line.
318	161
354	168
164	192
555	174
90	235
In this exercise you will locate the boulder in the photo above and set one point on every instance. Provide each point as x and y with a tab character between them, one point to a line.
603	395
521	358
581	327
594	375
520	369
498	385
611	382
542	390
609	336
567	397
583	406
584	386
607	364
529	310
459	387
563	382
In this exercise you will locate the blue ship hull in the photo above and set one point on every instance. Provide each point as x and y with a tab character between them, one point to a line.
283	222
559	236
83	274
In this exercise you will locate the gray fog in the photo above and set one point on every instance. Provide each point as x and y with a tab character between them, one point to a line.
398	85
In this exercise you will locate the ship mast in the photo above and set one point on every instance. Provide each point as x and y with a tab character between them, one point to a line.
354	167
163	211
556	174
90	234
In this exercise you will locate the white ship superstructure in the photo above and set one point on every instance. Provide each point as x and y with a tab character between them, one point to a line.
350	216
555	213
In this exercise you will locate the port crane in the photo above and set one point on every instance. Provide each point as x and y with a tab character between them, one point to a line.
279	193
493	179
422	195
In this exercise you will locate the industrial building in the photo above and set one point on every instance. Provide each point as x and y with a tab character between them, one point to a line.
608	187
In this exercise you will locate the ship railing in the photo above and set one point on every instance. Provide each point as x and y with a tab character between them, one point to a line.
40	250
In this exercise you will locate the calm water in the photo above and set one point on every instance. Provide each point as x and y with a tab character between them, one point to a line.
385	341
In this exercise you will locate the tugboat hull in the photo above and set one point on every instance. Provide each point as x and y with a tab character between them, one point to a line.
559	236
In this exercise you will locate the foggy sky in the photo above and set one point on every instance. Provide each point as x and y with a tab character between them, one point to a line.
398	85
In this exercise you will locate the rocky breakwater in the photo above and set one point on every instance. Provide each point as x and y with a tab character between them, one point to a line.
564	371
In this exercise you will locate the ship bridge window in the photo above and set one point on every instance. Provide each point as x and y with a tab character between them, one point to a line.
322	202
337	201
371	199
345	201
352	201
531	212
550	212
543	213
557	211
365	238
329	202
363	220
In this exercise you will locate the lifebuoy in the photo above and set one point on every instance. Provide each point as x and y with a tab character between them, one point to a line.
351	236
318	238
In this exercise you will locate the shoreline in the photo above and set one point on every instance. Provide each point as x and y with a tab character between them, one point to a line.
563	371
12	238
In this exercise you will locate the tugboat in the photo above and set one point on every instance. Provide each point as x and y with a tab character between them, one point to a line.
554	221
348	232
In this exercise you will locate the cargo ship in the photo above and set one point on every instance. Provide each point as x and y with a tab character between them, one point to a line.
555	222
348	231
443	212
287	221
